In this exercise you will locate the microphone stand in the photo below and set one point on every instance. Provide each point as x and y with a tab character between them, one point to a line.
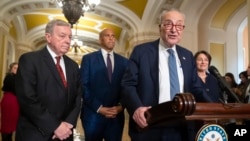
225	97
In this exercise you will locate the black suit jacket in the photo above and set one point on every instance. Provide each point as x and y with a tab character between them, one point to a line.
44	102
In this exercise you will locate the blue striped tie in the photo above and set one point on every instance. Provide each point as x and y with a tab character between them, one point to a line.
174	80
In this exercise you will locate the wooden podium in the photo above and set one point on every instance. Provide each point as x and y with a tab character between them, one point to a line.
184	107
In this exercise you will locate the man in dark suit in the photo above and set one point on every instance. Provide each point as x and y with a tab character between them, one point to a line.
50	103
146	81
101	73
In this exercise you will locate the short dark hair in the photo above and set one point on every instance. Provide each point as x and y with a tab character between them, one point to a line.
244	74
205	53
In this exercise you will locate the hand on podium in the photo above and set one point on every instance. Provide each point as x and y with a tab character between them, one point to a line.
139	116
166	113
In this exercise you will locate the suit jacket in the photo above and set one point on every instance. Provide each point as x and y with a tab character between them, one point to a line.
97	89
43	99
141	79
212	88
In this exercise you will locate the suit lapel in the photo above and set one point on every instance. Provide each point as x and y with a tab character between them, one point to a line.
51	65
183	59
117	64
68	70
154	64
102	64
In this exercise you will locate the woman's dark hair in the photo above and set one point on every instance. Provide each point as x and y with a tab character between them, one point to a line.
234	84
205	53
244	74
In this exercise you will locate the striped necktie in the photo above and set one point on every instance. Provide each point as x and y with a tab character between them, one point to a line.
59	68
174	80
109	67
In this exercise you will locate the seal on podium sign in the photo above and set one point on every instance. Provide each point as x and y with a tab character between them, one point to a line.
211	132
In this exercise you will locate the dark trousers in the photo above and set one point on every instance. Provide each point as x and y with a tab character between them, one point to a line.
157	134
176	131
108	129
7	137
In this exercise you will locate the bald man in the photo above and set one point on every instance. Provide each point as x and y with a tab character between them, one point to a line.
101	73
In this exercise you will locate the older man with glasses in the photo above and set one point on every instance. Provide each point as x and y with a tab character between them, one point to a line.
156	72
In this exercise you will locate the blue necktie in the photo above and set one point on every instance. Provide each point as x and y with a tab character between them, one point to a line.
174	80
109	67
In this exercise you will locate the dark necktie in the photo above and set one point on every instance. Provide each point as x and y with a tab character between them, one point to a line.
109	67
59	68
174	80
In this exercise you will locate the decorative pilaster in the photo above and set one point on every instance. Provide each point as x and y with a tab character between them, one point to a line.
248	5
140	38
3	43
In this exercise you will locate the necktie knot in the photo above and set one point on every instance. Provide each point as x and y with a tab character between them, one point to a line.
58	59
171	51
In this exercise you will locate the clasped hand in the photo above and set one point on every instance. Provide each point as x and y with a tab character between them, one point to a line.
63	131
110	112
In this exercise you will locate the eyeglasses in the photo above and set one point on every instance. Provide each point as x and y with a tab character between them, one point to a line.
168	26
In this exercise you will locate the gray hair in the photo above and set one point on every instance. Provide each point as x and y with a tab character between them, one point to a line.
57	22
169	10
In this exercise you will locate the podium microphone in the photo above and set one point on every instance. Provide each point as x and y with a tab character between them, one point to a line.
214	71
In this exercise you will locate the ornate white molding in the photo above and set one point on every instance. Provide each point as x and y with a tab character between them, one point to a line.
4	26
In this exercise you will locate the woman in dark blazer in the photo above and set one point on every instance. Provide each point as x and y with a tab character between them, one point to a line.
209	83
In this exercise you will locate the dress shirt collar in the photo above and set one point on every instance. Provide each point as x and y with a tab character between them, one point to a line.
164	47
53	54
104	52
